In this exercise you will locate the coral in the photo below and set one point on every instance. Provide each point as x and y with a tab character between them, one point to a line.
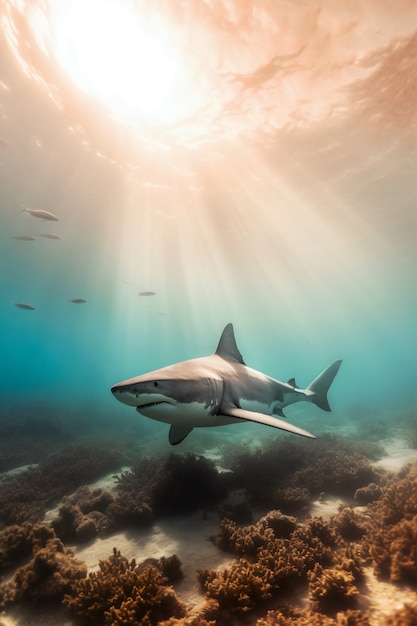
186	483
350	524
331	588
24	497
121	592
238	589
404	616
391	538
83	515
176	484
240	512
18	542
268	564
242	541
47	577
285	474
288	616
370	493
291	499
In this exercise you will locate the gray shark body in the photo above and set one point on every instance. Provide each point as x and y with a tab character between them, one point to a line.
217	390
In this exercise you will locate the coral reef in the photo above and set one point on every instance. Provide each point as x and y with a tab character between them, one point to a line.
391	539
350	524
275	554
121	592
404	616
239	589
331	588
288	616
83	515
370	493
288	474
18	542
178	483
24	498
47	577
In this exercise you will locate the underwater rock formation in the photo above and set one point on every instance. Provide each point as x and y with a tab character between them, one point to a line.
121	592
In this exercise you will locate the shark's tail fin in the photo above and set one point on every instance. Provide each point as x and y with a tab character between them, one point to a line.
319	387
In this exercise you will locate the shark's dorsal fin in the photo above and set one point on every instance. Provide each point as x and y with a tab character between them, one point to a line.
227	347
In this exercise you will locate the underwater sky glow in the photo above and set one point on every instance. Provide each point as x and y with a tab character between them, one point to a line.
249	162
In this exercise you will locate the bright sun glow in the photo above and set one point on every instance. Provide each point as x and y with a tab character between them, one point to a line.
125	58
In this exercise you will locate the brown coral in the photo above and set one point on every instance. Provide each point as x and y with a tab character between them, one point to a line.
47	577
121	592
24	497
331	588
391	539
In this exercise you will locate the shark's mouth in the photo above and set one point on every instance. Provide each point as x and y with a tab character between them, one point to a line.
149	404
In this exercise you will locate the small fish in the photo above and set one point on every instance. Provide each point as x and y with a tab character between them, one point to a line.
44	215
77	301
24	237
49	235
23	305
146	293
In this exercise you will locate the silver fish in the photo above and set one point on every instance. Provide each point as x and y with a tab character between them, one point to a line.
23	305
44	215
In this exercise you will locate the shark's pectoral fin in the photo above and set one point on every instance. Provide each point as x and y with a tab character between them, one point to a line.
268	420
279	411
178	434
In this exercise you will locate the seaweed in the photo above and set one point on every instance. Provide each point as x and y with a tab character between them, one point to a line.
122	592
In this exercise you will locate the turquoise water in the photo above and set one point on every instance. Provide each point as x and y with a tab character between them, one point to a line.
301	234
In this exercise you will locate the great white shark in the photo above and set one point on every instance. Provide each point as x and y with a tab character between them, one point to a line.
217	390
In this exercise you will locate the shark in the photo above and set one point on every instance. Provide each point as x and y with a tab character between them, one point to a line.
217	390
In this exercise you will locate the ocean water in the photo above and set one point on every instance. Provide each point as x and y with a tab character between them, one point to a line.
206	162
278	193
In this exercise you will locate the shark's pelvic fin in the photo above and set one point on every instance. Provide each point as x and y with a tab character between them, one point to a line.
227	347
178	434
320	386
268	420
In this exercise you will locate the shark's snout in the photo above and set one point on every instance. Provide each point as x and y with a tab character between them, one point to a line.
124	394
